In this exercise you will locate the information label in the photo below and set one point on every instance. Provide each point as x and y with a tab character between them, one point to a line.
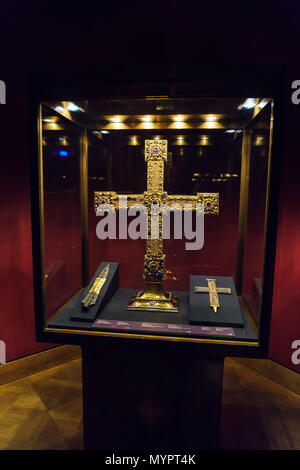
168	328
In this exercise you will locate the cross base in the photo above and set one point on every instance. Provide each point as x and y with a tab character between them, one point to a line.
153	299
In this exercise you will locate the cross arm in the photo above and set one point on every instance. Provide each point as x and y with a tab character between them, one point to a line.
117	200
206	290
210	202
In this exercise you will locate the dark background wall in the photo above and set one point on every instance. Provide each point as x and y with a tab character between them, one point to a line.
62	34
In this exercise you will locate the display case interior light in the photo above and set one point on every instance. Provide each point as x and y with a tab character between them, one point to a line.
146	119
116	119
179	125
73	107
116	122
263	102
178	118
63	140
133	140
147	125
210	118
96	134
211	121
50	119
259	140
52	123
249	103
59	108
117	126
180	140
204	140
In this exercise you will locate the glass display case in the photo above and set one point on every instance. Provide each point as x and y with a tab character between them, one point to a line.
152	216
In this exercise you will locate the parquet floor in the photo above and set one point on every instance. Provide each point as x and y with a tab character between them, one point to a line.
44	411
257	413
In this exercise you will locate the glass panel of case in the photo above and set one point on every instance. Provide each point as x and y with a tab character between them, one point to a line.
258	150
62	219
205	153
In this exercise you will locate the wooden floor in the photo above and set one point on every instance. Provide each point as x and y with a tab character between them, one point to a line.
44	411
257	412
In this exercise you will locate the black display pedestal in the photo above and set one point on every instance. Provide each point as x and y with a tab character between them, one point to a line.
150	401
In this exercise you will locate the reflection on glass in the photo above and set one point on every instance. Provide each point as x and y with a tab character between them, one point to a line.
62	226
255	229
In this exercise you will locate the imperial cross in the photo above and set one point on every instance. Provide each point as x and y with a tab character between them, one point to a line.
153	298
213	292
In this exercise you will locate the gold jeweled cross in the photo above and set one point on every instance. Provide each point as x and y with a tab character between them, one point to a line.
153	298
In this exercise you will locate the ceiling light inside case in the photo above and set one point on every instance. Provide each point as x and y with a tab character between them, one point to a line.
248	104
73	107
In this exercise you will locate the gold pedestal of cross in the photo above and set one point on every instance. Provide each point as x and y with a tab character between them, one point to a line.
153	298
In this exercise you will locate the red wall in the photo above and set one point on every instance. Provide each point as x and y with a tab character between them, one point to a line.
58	36
285	325
17	327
